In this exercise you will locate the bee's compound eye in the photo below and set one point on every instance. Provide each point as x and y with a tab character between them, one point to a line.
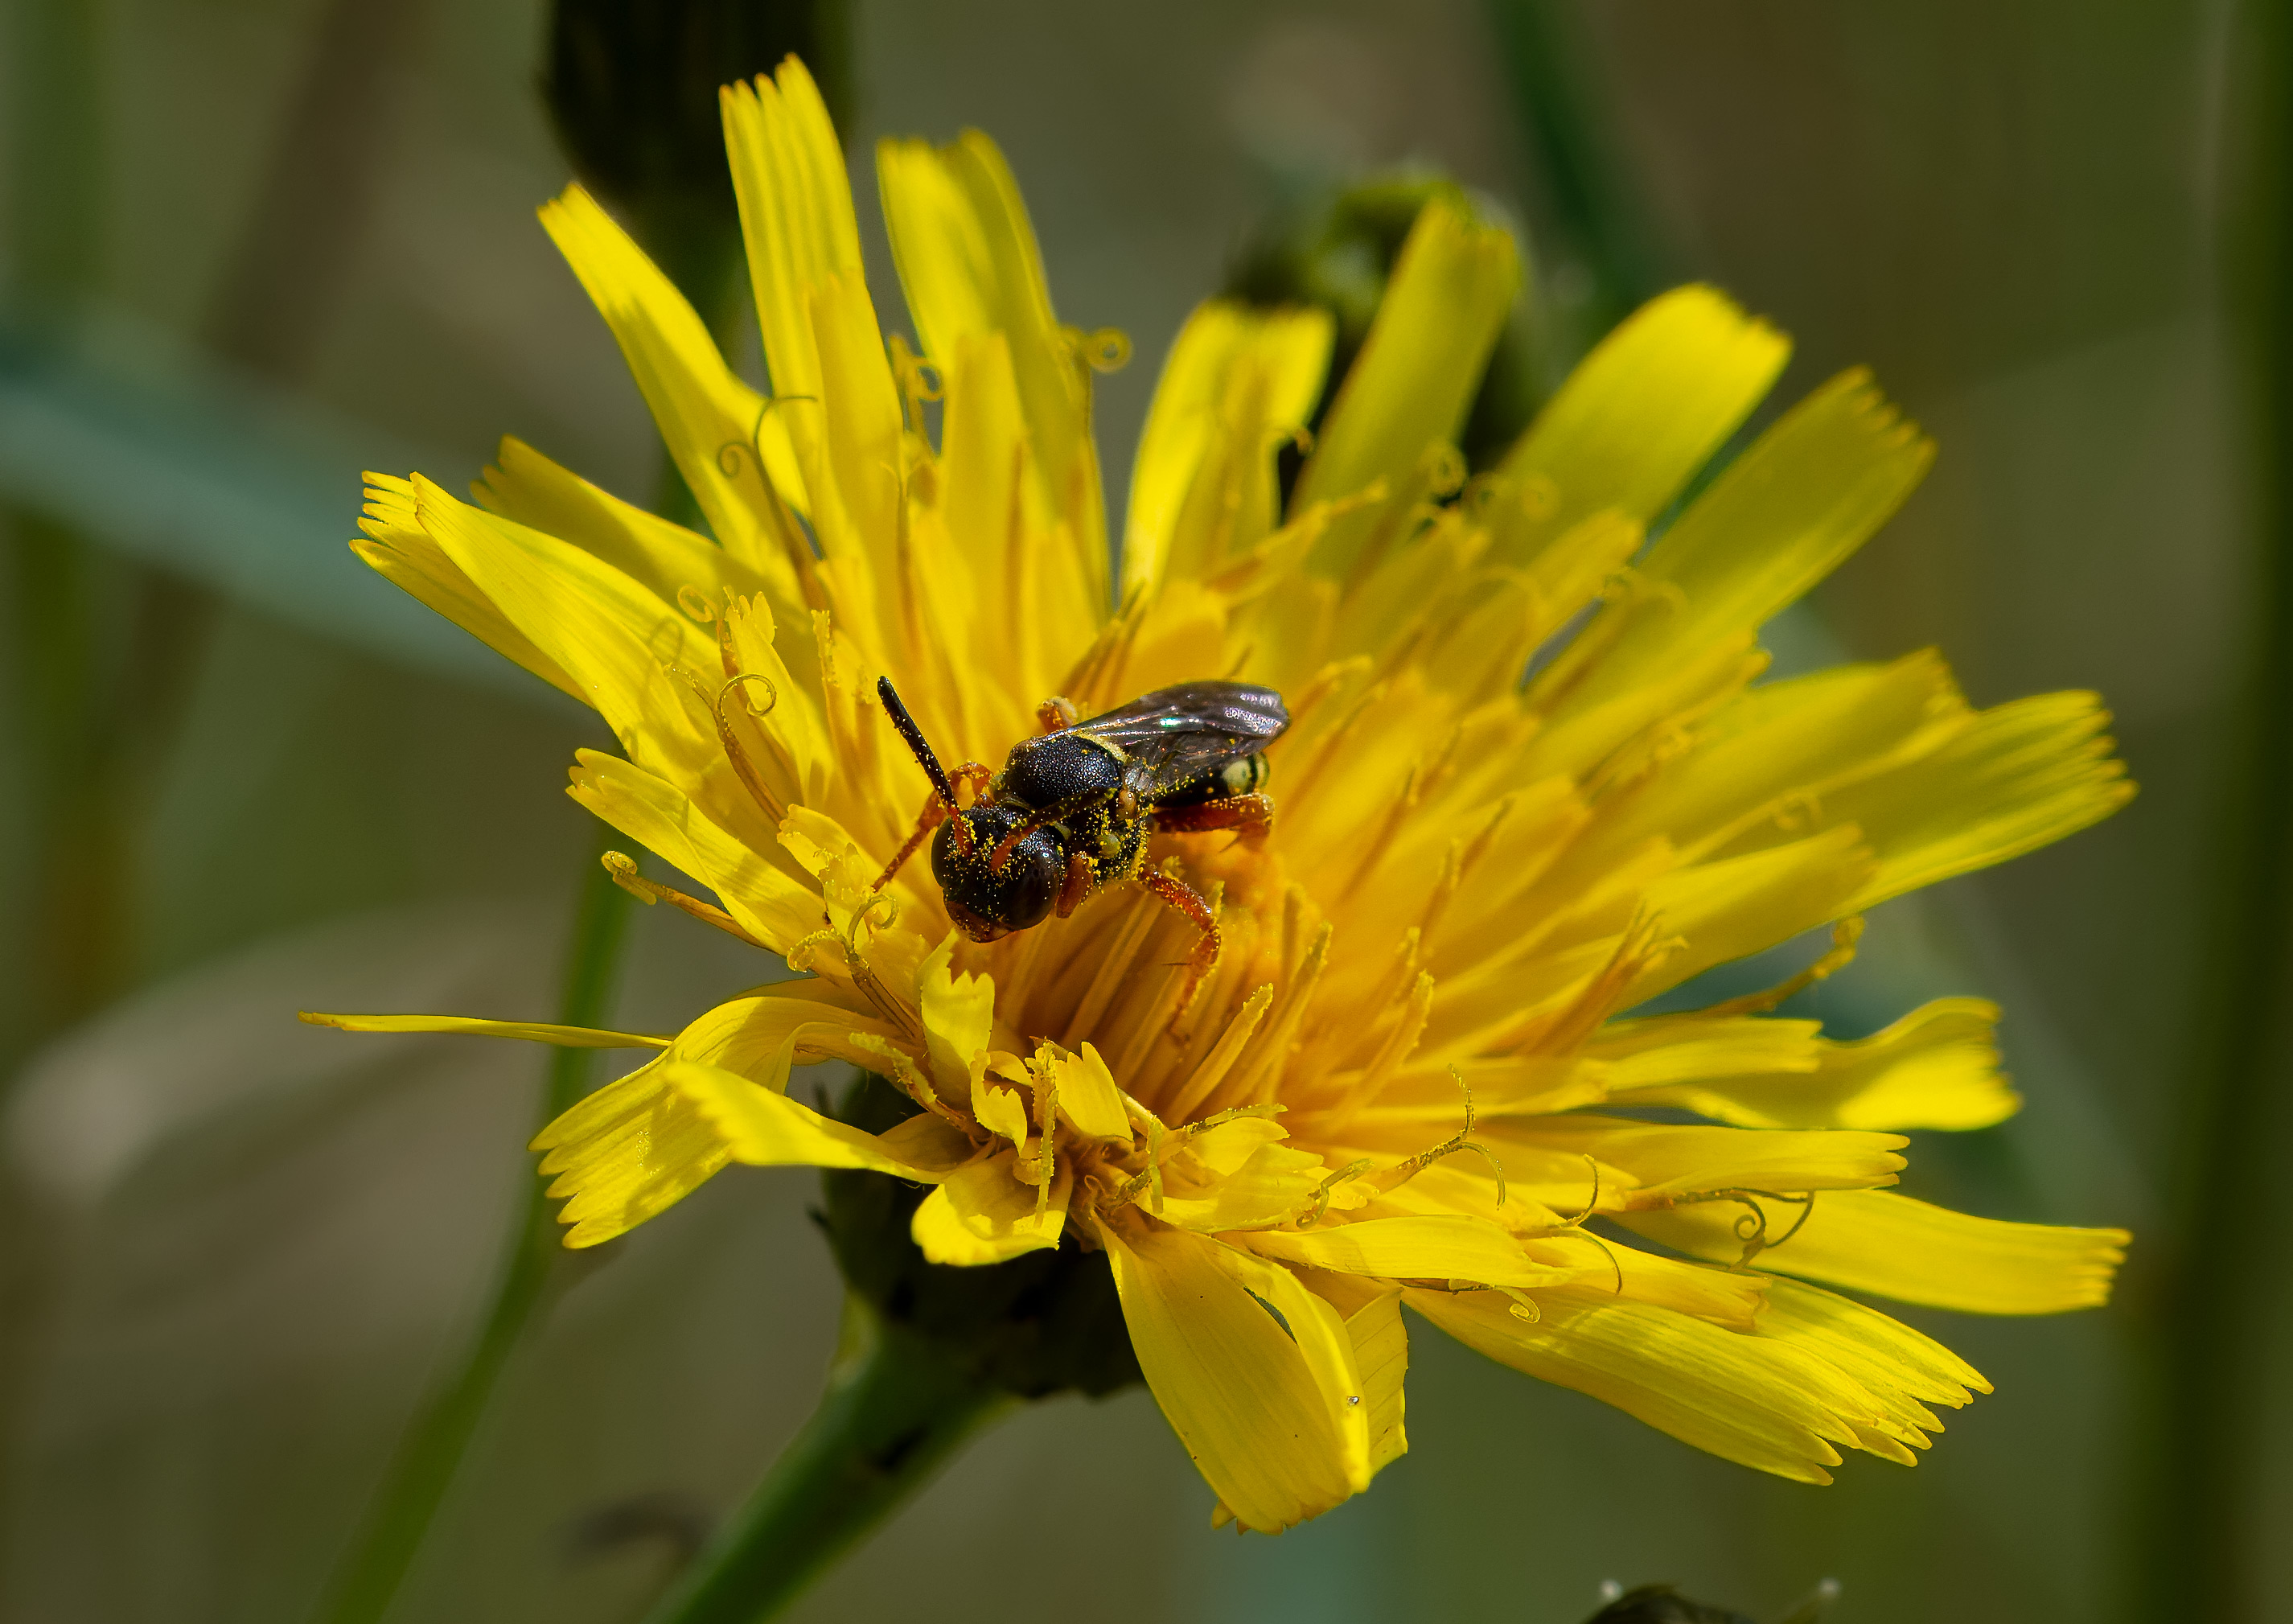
1029	883
988	902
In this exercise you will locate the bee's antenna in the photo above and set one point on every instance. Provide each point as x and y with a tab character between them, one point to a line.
914	735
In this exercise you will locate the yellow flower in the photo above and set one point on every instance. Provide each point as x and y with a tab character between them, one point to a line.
1413	1074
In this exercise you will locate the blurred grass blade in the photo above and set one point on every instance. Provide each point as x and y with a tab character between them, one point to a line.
1596	211
247	489
431	1451
2203	1542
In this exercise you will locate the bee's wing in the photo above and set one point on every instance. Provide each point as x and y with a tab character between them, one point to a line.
1179	734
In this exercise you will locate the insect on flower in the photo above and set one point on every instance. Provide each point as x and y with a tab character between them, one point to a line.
1071	811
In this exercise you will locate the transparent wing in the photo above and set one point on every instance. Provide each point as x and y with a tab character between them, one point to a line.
1179	734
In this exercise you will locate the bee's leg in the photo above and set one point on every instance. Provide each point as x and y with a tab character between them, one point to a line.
1250	816
1076	886
935	811
1177	893
934	814
1056	714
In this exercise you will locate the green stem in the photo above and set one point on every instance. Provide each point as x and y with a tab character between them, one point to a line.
1592	204
896	1408
431	1450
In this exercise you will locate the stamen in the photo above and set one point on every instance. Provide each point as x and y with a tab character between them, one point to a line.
735	753
1212	1071
1844	936
696	603
1351	1171
1752	1227
1047	1117
782	522
913	1083
1393	1178
623	868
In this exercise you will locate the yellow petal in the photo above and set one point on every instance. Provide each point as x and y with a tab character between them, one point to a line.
659	816
1000	1110
1894	1247
1742	1397
1088	1097
968	263
526	487
715	426
1237	382
1639	416
958	1015
983	1214
591	620
1667	1160
761	1125
1936	1067
1380	1342
1413	380
2018	777
1777	755
1729	908
796	214
1786	514
535	1032
398	549
1427	1248
859	413
1274	1181
1268	1409
1880	1353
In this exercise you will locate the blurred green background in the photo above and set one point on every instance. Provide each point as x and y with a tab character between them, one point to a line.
254	246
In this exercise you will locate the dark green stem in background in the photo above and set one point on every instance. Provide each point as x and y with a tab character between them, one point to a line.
434	1441
2198	1533
1591	204
896	1408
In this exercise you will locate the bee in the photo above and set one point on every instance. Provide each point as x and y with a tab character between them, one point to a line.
1070	812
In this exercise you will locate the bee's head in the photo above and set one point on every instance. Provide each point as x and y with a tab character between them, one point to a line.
987	902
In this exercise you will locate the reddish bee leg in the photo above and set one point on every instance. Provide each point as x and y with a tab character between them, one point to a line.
1076	886
976	774
934	813
1179	894
1250	816
1056	714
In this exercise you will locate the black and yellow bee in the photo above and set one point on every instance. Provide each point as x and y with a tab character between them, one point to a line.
1071	811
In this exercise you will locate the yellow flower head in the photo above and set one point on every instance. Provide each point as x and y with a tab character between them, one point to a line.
1412	1074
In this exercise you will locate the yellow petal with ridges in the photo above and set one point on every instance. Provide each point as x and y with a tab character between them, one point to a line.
2019	776
1743	1397
526	487
1736	906
1936	1067
715	426
958	1017
968	263
1663	1159
1244	1390
1427	1248
1639	416
1804	496
761	1125
398	548
1894	1246
795	216
1410	385
1236	384
1089	1099
649	809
